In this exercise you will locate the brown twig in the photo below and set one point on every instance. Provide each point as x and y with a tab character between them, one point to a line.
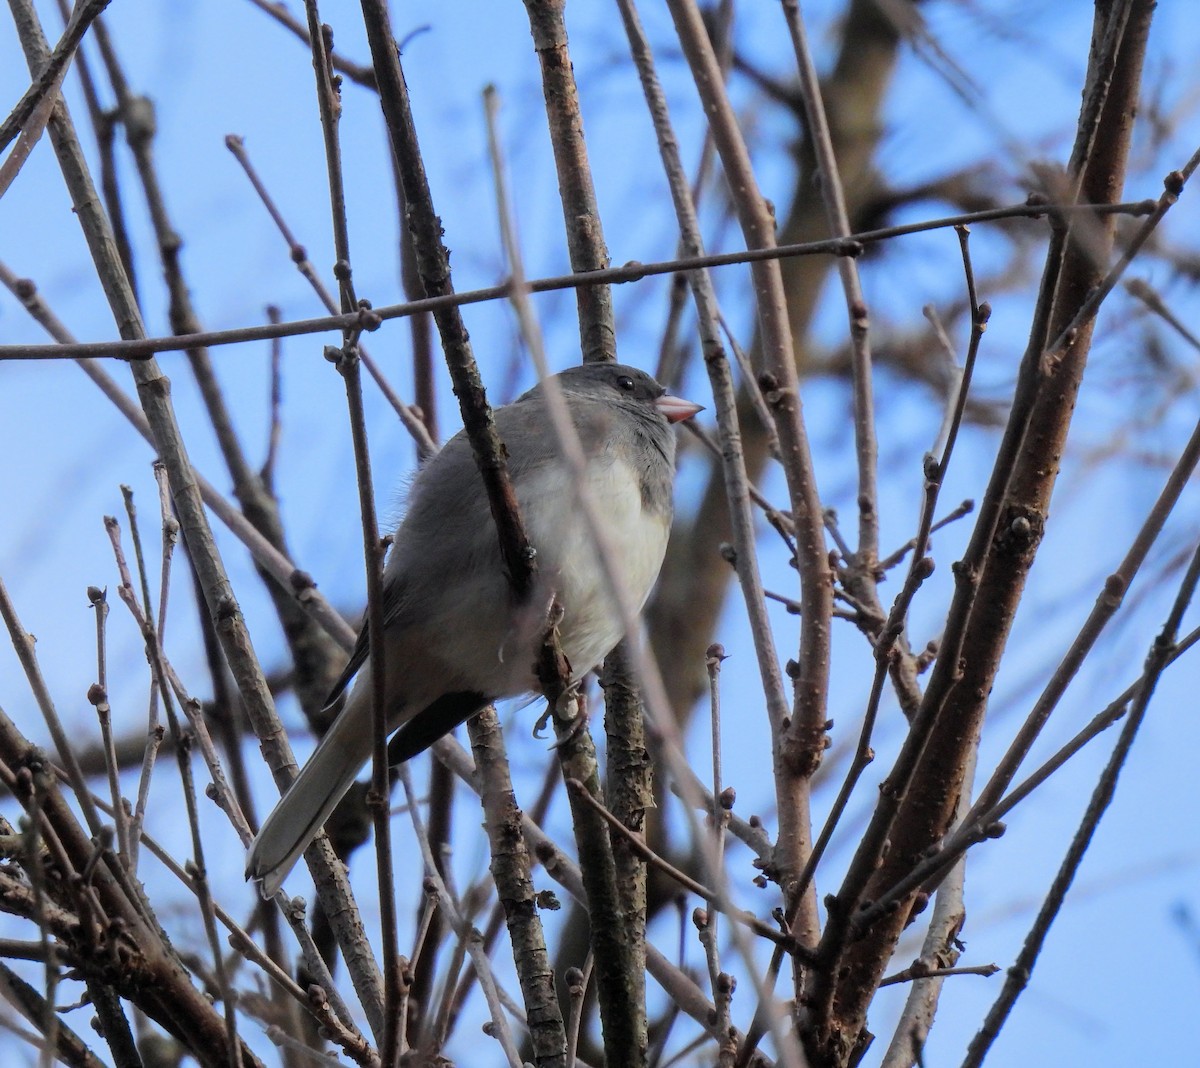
143	348
165	682
916	972
892	559
468	936
863	563
987	824
747	919
577	984
46	83
798	748
890	635
356	72
347	362
1018	975
679	986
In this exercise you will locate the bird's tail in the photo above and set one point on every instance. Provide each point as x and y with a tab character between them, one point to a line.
309	801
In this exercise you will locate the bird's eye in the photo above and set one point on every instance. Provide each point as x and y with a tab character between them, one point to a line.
625	383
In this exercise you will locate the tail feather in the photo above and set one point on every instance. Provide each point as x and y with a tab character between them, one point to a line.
308	803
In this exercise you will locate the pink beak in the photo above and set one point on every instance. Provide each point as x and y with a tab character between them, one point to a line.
676	409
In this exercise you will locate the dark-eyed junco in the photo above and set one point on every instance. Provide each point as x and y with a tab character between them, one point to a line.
455	637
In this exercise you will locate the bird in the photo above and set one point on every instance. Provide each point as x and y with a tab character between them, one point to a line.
455	638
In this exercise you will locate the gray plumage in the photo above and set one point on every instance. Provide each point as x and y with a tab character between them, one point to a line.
455	639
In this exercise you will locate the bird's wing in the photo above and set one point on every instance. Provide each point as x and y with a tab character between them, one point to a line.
445	577
358	657
431	723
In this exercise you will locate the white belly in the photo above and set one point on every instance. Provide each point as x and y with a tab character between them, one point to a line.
569	565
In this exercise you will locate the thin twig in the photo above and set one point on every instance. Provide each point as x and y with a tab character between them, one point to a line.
1018	975
468	936
897	557
987	824
916	972
862	564
98	696
347	362
143	348
415	426
49	78
747	919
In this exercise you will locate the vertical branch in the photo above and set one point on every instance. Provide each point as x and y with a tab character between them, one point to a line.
866	447
347	362
377	798
614	876
629	789
511	867
803	740
98	696
620	993
585	234
433	263
737	486
722	984
629	771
